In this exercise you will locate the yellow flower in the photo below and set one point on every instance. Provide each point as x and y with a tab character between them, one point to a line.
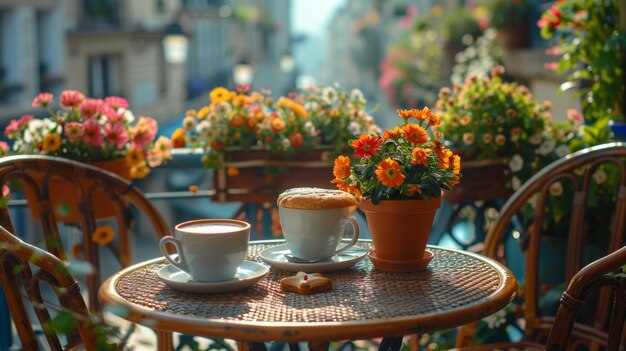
179	138
299	110
51	142
134	157
203	112
103	235
139	171
220	94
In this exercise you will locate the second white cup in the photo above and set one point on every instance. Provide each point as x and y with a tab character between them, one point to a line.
314	234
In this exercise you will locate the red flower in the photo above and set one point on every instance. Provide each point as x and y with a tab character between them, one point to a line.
366	145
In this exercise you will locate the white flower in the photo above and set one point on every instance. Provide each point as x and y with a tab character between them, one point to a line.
546	147
203	128
468	138
309	127
128	115
496	319
189	123
556	189
286	143
329	95
536	138
599	176
354	128
561	150
357	95
516	163
516	183
311	106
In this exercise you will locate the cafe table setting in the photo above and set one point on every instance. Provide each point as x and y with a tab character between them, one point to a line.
316	286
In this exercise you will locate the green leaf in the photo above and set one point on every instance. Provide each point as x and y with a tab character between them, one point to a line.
62	323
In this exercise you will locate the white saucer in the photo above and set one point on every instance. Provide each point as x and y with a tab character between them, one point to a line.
247	275
275	257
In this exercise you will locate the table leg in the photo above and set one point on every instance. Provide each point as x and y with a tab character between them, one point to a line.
164	341
391	344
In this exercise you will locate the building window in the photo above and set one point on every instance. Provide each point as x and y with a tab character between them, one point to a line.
104	76
101	11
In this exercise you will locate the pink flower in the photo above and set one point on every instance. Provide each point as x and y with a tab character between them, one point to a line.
576	117
116	102
4	147
551	66
71	98
140	138
116	134
17	125
73	131
91	107
92	133
553	51
43	100
113	116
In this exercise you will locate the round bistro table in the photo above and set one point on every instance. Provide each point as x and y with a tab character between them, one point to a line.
458	287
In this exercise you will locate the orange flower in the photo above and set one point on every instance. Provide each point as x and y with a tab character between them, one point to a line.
134	157
193	189
299	110
424	114
419	156
139	171
414	189
51	142
415	134
406	114
456	163
103	235
394	133
341	169
296	139
179	138
434	121
442	153
366	145
237	120
232	171
344	186
389	173
278	125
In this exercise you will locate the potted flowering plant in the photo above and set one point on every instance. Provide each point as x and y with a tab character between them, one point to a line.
90	130
510	18
489	120
399	179
259	146
102	132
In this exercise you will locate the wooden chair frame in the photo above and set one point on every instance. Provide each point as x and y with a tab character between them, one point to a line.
577	168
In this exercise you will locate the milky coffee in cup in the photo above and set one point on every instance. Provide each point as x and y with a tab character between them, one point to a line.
314	221
210	250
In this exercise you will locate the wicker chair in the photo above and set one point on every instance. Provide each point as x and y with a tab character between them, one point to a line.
121	195
23	269
577	171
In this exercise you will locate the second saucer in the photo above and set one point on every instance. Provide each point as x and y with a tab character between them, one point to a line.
275	257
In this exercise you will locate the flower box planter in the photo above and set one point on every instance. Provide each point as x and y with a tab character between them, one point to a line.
484	180
259	176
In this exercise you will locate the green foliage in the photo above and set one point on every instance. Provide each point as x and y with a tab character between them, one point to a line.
457	24
591	45
504	12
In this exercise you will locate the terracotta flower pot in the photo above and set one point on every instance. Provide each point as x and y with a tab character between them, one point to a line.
64	197
400	230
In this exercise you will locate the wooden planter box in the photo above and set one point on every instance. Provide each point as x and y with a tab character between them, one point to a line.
484	180
262	176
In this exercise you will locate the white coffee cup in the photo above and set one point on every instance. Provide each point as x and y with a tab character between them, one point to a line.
314	234
210	250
